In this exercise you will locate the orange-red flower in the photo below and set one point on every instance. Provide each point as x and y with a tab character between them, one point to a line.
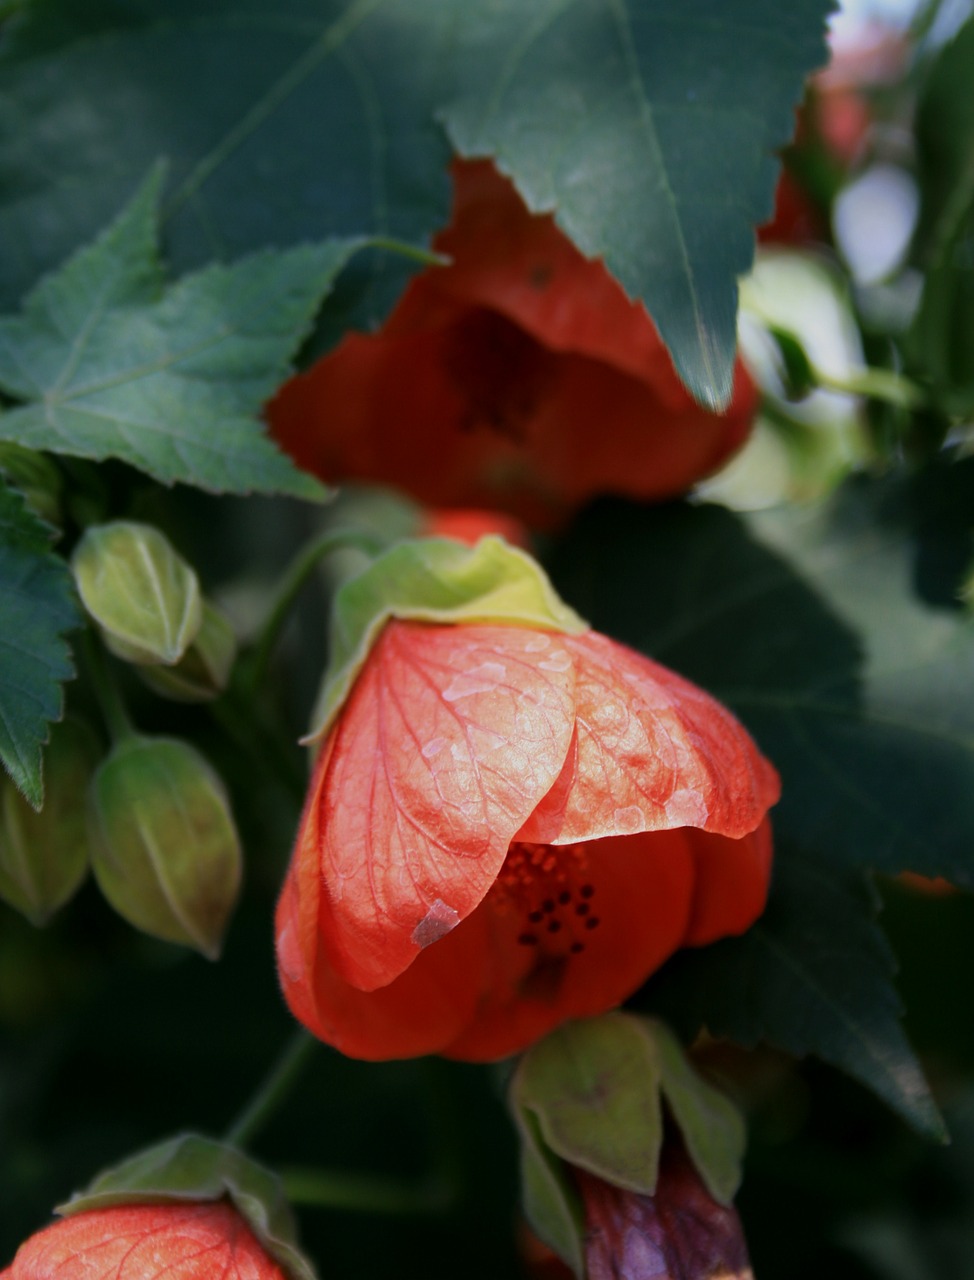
518	377
678	1233
172	1241
509	827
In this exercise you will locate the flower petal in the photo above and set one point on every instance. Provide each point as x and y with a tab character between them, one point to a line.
178	1241
481	993
419	1012
628	905
449	739
652	752
732	881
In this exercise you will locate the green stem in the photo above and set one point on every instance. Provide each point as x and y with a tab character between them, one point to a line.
297	574
364	1193
427	257
273	1091
107	692
877	384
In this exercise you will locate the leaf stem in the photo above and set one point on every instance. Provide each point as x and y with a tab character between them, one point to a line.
365	1193
876	384
415	252
107	692
297	574
274	1089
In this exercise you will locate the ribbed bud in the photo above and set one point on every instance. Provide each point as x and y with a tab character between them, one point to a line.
44	856
141	592
164	847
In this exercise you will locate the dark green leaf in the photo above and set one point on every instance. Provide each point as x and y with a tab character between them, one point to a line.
111	364
37	606
812	976
650	127
943	334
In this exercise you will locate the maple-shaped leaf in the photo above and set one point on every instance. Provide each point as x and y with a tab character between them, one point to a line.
109	362
37	605
648	127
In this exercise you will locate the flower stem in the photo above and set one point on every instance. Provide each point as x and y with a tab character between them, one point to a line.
427	257
876	384
273	1091
106	690
365	1193
297	574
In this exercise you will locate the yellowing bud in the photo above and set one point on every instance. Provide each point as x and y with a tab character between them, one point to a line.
204	669
164	847
44	856
141	592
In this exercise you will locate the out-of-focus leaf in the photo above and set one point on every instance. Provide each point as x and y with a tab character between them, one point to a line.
642	124
943	334
814	975
37	606
109	363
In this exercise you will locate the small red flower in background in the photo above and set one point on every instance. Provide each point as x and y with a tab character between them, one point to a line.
678	1233
470	524
508	827
519	377
177	1241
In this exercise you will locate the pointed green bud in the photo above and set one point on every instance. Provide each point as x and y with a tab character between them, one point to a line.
36	476
190	1167
44	856
434	580
141	592
592	1093
203	671
164	848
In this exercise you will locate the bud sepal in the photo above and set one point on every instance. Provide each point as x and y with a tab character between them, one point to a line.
190	1167
434	580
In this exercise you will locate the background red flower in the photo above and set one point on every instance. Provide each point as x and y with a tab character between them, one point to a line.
520	377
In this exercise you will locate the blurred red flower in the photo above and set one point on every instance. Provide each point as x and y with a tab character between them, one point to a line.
519	377
508	827
176	1240
678	1233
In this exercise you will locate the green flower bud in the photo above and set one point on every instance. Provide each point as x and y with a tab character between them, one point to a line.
141	592
164	847
44	856
203	671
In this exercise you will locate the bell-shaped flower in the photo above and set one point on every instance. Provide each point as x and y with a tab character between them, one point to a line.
520	376
178	1240
509	826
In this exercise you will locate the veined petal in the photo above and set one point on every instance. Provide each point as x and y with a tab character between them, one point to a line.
448	741
173	1241
651	752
